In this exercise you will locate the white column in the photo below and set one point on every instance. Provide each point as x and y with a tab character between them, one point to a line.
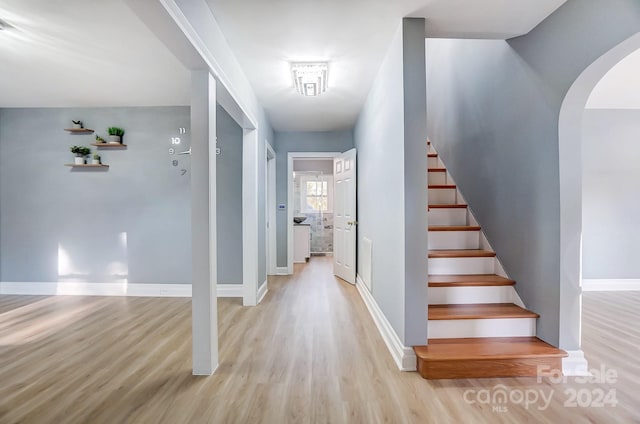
250	217
204	308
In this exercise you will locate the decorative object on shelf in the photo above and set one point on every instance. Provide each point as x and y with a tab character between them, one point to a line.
80	152
100	139
299	219
77	125
96	159
115	134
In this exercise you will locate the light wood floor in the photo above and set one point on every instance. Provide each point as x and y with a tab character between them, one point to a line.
308	354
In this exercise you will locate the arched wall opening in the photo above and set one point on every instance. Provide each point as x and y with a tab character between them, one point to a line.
570	166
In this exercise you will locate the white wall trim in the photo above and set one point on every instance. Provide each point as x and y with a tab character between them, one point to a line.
272	234
95	289
282	270
230	290
250	224
594	284
262	291
575	364
110	289
404	357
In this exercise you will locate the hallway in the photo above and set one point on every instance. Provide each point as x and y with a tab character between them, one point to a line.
309	353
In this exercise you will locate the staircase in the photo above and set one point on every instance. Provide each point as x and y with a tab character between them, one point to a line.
478	326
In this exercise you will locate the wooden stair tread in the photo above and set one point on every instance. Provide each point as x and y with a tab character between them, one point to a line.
478	280
487	348
437	170
454	228
479	311
441	186
450	206
461	253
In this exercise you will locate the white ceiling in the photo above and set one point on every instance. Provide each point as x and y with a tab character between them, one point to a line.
353	35
99	53
620	87
84	53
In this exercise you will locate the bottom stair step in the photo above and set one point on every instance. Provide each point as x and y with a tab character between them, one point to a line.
487	357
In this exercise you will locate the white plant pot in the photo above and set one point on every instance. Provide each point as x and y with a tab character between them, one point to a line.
77	126
114	139
79	160
95	161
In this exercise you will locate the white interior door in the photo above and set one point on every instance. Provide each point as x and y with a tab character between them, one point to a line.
344	209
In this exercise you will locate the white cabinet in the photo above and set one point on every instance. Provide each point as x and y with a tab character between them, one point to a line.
301	243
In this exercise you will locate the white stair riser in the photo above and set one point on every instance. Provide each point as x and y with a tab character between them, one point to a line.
433	162
442	196
499	327
437	177
448	216
468	295
465	266
454	239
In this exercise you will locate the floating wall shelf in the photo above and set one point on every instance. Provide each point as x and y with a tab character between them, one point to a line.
86	165
110	145
79	130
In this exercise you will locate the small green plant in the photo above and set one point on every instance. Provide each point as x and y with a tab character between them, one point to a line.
80	151
100	139
78	123
115	131
96	156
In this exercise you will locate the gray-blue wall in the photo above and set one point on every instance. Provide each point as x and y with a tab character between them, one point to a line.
390	136
610	189
285	142
131	221
493	117
229	198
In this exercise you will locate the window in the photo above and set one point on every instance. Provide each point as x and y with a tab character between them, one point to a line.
316	194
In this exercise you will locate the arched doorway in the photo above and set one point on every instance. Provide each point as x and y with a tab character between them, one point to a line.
570	168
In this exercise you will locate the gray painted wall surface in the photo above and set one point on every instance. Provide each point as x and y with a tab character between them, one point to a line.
46	206
493	116
285	142
390	136
379	138
415	181
229	198
610	189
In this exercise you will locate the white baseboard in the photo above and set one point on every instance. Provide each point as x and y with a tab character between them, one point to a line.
575	364
589	284
230	290
282	270
262	291
110	289
404	357
95	289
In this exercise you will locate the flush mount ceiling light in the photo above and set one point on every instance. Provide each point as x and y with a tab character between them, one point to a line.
310	78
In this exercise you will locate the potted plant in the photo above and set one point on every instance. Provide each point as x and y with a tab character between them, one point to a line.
115	134
100	139
80	152
77	124
96	159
